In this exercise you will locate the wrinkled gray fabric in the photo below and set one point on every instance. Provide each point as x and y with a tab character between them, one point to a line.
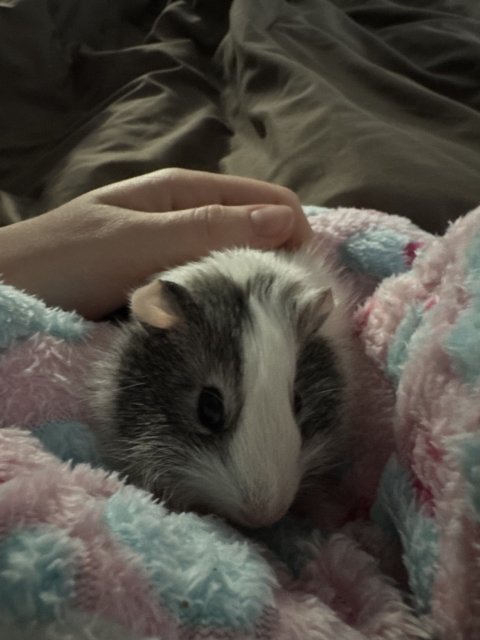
371	103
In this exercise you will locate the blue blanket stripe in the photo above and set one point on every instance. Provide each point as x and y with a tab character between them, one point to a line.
68	440
467	450
37	572
463	343
379	253
22	315
400	348
397	511
203	571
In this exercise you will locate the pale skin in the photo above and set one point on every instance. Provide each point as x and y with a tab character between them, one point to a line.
90	253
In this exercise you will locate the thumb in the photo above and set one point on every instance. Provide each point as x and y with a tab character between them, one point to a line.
192	233
272	225
258	226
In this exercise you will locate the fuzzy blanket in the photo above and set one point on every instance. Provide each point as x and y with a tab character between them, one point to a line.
392	552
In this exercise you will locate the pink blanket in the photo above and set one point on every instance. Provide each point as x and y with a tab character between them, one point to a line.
393	552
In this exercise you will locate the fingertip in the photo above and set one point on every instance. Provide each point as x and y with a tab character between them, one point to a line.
280	226
305	233
272	221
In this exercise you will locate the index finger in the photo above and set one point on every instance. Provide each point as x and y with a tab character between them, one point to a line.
208	188
180	189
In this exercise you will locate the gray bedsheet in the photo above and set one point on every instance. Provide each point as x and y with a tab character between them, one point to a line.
371	103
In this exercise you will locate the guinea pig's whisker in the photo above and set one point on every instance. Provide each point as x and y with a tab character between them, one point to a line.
131	385
325	392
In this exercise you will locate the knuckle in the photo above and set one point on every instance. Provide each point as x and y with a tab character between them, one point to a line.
213	212
288	196
208	216
172	175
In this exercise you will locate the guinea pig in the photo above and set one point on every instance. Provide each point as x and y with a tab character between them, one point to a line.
226	390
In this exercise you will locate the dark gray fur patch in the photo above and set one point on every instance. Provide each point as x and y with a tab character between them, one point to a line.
261	285
160	376
320	384
162	372
223	305
266	285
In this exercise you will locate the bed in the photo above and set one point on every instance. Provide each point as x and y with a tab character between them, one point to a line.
347	102
361	107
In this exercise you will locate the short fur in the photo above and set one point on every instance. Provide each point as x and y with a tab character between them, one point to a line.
259	327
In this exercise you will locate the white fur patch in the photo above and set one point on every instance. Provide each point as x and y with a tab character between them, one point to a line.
265	449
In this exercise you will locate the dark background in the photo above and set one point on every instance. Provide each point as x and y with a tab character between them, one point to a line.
348	102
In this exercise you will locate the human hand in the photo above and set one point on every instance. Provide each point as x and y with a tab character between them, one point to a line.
89	253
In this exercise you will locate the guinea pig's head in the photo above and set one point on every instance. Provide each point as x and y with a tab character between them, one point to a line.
223	393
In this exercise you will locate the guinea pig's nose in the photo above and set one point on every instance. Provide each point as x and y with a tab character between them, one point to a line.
256	517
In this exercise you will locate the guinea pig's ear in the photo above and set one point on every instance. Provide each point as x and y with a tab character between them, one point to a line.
157	304
315	311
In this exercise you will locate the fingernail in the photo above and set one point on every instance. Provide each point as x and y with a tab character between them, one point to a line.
272	220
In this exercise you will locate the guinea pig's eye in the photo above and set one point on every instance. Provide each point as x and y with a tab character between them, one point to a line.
210	409
297	403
